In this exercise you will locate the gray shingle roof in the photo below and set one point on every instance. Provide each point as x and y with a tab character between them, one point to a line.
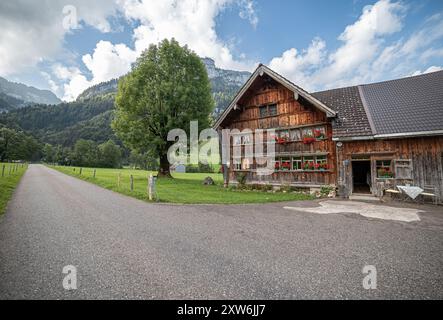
407	105
352	120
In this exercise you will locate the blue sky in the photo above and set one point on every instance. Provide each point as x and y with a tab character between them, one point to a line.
317	44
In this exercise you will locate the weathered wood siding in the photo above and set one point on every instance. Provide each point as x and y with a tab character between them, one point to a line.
293	114
426	154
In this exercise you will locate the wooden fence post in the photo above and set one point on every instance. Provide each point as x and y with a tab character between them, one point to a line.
149	187
94	173
132	183
3	171
152	193
10	170
81	169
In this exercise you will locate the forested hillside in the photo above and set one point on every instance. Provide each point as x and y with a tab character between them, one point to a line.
67	122
89	117
8	103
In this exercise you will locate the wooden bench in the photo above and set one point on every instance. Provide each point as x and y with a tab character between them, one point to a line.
429	191
393	193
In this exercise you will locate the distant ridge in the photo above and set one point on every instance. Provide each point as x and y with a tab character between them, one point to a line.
225	83
17	95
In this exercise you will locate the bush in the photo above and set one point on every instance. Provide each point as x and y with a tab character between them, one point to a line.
325	190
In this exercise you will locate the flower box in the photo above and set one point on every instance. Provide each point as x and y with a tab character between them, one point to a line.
385	173
319	135
281	140
309	166
308	139
286	166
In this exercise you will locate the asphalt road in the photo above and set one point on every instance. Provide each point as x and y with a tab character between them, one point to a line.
128	249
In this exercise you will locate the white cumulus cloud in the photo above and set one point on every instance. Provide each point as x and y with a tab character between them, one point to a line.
33	31
190	22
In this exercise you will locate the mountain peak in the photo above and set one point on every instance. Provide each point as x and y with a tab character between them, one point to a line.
19	95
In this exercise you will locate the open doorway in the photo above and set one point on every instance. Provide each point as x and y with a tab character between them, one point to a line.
361	176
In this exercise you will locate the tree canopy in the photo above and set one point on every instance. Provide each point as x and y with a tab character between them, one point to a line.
167	88
16	145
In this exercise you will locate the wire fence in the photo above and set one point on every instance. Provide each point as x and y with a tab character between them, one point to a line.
129	182
10	169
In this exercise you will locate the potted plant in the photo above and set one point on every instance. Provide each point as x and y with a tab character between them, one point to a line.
308	166
318	134
286	166
308	139
281	140
277	166
385	173
323	167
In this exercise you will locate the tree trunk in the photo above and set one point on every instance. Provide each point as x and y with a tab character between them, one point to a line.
164	167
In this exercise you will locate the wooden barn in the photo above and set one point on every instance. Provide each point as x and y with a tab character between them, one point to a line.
360	139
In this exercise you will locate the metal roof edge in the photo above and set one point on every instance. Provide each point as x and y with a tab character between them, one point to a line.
365	107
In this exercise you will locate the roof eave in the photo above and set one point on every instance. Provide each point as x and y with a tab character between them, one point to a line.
352	138
391	136
410	134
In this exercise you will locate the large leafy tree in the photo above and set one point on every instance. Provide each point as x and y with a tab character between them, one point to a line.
167	88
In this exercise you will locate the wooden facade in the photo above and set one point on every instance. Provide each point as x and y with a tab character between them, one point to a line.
417	161
292	120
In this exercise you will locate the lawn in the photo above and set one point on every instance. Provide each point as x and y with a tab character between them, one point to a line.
185	188
9	181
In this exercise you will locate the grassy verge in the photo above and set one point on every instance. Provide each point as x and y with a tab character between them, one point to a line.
8	182
185	188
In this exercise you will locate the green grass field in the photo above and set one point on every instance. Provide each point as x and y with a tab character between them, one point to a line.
185	188
8	182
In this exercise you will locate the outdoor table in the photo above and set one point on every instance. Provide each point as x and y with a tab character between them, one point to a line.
411	191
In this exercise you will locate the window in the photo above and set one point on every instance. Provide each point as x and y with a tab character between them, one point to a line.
297	163
308	163
277	164
246	139
319	133
272	110
263	111
237	140
384	169
308	132
321	163
268	111
285	164
295	135
321	159
284	134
